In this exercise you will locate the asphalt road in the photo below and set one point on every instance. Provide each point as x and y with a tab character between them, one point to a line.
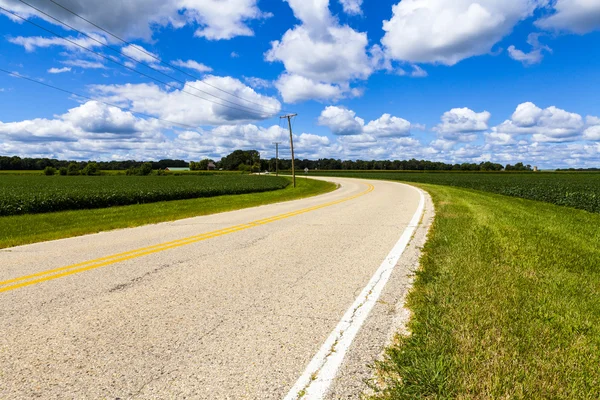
217	312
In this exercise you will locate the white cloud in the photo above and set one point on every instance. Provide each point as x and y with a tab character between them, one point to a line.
344	122
578	16
296	88
139	53
551	124
388	126
592	133
91	127
183	107
321	51
191	64
498	138
460	121
341	121
223	19
446	32
213	19
339	55
84	64
593	130
59	70
352	7
535	56
32	43
258	83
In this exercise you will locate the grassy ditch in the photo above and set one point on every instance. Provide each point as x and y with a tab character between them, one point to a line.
506	305
23	229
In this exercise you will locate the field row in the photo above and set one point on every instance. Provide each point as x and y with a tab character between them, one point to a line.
40	194
577	190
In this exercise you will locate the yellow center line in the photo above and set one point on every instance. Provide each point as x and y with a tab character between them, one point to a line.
56	273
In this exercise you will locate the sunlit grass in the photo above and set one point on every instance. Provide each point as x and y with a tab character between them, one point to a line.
506	305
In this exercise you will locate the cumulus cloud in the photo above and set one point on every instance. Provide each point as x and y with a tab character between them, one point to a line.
592	133
191	64
593	130
341	121
296	88
321	51
446	32
337	56
459	124
182	105
213	19
89	128
551	124
344	122
388	126
577	16
535	56
352	7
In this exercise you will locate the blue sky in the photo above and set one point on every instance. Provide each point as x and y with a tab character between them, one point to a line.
460	81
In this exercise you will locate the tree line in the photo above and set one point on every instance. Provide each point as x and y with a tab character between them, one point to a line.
250	161
32	164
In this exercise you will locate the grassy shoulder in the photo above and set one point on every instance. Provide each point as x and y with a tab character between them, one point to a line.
25	229
506	304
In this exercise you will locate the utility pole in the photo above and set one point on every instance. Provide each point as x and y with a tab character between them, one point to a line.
289	118
276	157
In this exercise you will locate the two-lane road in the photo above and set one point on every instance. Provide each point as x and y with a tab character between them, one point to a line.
233	305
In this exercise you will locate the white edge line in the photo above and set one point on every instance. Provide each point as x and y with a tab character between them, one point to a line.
322	369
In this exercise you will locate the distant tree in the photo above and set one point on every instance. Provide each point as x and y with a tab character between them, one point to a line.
91	169
63	171
146	168
49	171
73	169
239	157
203	164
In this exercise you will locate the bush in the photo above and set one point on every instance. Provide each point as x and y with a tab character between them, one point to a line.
73	169
49	171
91	169
63	171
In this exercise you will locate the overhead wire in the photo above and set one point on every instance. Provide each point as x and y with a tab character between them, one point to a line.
17	75
155	57
239	107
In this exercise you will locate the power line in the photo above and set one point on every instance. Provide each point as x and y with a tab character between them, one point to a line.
140	62
17	75
240	108
142	50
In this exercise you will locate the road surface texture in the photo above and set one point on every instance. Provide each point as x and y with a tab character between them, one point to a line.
227	306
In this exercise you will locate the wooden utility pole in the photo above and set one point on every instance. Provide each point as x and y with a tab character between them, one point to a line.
289	118
276	157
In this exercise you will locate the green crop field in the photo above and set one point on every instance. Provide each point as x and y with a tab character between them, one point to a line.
577	190
29	194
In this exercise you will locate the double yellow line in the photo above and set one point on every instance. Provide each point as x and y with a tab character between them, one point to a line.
56	273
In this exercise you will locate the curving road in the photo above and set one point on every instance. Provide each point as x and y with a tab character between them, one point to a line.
228	306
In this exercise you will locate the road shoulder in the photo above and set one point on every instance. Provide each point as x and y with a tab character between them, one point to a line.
388	317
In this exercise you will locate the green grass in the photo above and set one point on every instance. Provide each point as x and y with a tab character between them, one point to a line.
506	304
31	228
573	189
40	194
